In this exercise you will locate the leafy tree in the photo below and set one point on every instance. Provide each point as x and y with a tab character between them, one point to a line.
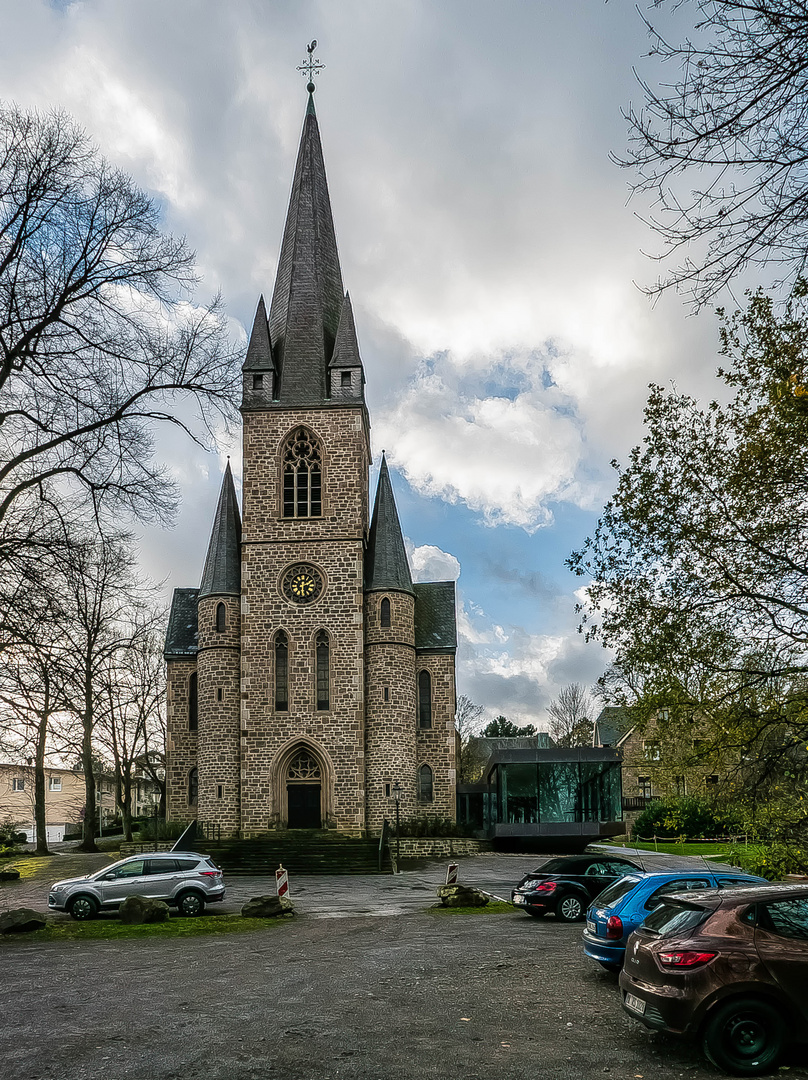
570	723
98	342
731	124
502	728
698	570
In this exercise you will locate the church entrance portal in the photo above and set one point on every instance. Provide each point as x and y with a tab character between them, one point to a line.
304	792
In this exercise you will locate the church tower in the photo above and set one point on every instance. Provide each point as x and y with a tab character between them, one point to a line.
308	675
306	459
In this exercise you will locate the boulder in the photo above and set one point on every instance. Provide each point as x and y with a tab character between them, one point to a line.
267	907
9	873
141	909
461	896
21	921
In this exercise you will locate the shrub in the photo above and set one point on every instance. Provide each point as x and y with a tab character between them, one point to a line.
683	815
431	825
772	861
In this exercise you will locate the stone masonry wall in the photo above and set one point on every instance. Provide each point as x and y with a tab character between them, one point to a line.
389	724
435	746
181	744
333	543
219	706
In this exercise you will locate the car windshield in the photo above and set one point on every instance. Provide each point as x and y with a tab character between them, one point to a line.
670	919
616	891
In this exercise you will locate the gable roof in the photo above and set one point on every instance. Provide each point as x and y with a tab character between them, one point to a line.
613	724
181	633
435	621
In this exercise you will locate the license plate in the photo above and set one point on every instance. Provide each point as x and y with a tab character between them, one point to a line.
634	1003
591	927
518	899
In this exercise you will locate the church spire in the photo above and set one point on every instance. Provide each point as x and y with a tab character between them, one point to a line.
222	573
308	297
386	565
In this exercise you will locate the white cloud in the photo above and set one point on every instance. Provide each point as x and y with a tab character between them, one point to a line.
429	563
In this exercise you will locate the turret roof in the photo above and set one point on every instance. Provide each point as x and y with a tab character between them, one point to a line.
222	573
386	565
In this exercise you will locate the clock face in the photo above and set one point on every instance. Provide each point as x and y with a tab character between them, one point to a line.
302	584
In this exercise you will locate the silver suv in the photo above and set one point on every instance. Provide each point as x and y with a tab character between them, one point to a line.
181	878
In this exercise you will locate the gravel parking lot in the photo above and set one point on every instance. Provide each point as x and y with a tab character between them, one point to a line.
399	997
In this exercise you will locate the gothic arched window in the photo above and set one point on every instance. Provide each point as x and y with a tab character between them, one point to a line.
384	612
302	475
425	784
281	672
321	648
221	618
424	699
193	714
193	787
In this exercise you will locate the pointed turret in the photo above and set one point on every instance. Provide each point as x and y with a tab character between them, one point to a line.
347	375
222	573
386	565
259	351
308	297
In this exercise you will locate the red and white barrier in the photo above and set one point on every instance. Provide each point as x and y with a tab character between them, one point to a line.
282	881
451	873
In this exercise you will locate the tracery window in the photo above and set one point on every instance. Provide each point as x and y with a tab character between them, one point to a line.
384	612
322	651
193	713
302	475
193	787
303	766
221	618
281	672
424	699
425	793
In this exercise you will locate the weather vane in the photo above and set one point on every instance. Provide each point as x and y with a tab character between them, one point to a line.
311	67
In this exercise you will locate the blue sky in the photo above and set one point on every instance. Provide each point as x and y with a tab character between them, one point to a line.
488	243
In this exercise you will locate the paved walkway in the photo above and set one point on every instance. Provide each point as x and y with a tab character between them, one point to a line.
332	896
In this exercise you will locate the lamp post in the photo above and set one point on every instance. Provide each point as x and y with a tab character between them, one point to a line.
397	797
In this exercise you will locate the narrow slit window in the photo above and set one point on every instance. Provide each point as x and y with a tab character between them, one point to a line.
219	694
425	791
424	700
193	787
302	475
345	379
258	382
384	612
193	711
323	673
221	618
281	672
387	693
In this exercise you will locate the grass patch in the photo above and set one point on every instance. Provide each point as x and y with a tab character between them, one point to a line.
493	907
112	930
708	850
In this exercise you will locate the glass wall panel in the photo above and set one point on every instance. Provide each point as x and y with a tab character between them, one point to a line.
559	791
601	791
520	796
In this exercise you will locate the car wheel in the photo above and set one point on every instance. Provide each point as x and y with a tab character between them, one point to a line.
744	1037
83	907
190	903
570	909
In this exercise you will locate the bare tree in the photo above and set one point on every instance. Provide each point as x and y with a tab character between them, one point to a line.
98	342
570	717
733	126
468	724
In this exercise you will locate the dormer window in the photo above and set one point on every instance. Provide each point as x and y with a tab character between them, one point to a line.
258	381
345	380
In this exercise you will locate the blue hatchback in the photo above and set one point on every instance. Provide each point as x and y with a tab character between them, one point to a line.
621	907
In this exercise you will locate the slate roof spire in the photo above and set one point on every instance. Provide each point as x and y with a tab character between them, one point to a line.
308	298
222	573
386	565
259	351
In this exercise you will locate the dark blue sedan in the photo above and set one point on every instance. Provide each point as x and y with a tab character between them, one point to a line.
621	907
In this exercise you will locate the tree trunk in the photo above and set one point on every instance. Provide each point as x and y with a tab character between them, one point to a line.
90	809
40	816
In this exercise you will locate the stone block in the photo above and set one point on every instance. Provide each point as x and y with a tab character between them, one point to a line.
22	921
461	896
267	907
142	909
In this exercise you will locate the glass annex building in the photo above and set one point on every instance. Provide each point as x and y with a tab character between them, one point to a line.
572	795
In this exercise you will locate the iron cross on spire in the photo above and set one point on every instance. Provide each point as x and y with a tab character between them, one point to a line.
311	67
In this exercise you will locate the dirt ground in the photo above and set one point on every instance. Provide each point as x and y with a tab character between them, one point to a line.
484	997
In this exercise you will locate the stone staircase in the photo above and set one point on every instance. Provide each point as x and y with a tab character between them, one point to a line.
300	851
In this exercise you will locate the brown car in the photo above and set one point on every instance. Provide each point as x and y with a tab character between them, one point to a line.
727	966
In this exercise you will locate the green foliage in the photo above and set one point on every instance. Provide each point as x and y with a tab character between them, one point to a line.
686	815
10	835
772	861
431	825
503	728
158	829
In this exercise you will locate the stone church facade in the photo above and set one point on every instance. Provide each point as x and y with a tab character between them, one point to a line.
308	675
